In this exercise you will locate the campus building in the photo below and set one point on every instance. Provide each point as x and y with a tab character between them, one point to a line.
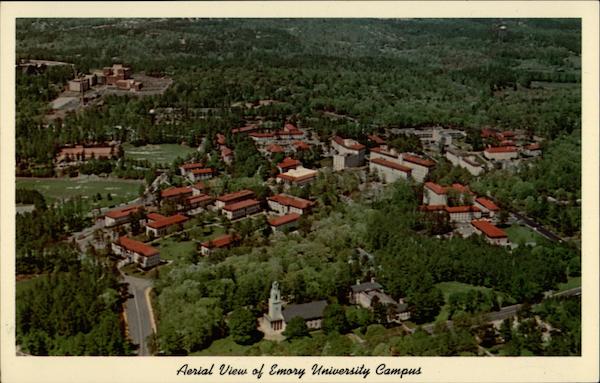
135	251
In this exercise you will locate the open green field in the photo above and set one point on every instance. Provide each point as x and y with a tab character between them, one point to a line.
157	154
571	283
451	288
517	233
172	250
55	189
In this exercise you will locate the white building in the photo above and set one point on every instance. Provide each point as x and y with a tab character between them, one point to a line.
420	167
389	171
161	226
363	294
135	251
488	207
284	222
285	204
349	153
434	194
241	209
298	177
501	153
120	216
492	234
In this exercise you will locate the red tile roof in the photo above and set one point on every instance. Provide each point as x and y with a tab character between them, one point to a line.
486	132
244	129
274	148
288	200
238	195
301	145
376	139
508	133
486	203
392	165
289	163
418	160
226	152
432	207
437	189
195	165
488	229
507	143
199	185
384	152
155	216
123	212
175	191
340	141
289	127
501	149
284	219
198	198
261	135
137	247
462	188
220	139
461	209
241	205
202	171
168	221
220	241
534	146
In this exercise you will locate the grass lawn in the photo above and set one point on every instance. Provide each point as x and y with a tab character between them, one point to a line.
451	288
54	189
173	250
517	234
157	154
571	283
223	347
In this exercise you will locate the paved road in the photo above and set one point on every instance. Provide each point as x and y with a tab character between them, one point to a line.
537	227
509	311
138	313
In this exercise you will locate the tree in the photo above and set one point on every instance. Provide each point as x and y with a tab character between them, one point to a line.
334	319
242	326
295	328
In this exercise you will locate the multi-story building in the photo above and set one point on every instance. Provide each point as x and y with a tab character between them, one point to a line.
284	222
491	232
135	251
434	194
420	166
234	197
288	164
160	226
298	177
241	209
285	203
186	168
120	216
501	153
349	153
389	171
487	207
202	174
224	241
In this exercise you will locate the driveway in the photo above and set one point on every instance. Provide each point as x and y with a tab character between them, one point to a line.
137	308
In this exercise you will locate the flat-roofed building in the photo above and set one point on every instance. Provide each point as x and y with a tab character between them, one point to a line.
230	198
299	176
491	232
389	171
160	227
120	216
284	222
385	153
136	251
79	85
241	209
285	203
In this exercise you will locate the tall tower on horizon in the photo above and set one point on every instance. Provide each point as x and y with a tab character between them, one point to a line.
275	303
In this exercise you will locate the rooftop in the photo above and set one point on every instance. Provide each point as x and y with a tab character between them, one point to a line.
155	216
489	229
298	174
175	191
289	163
366	286
241	194
284	219
220	241
306	311
301	145
198	198
384	152
137	247
191	166
241	205
348	143
487	203
376	139
274	148
202	171
123	212
437	189
501	149
288	200
168	221
392	165
418	160
461	209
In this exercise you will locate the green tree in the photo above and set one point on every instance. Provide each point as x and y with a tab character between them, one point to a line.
295	328
242	326
334	319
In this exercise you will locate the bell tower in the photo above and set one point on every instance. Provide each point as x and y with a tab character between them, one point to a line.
275	303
